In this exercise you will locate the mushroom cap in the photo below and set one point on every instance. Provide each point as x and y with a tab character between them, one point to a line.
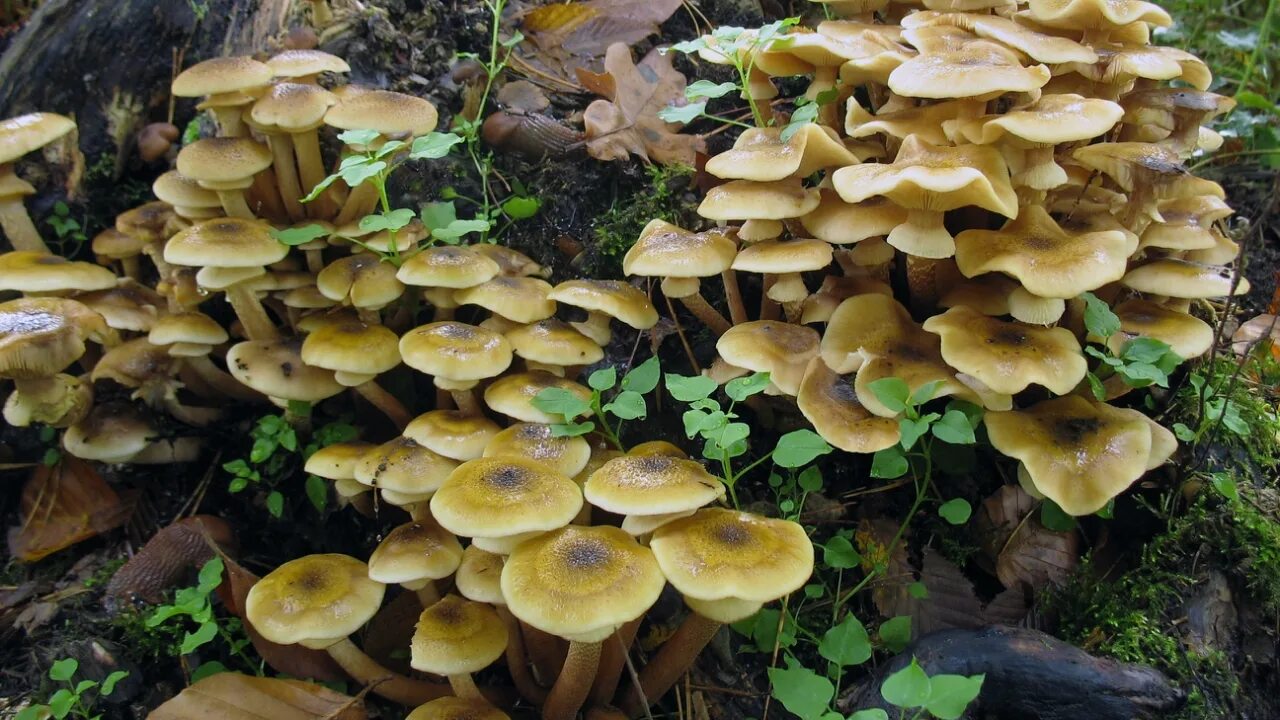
750	200
114	245
1183	279
42	336
479	576
537	442
512	262
926	121
1009	356
1078	453
615	298
842	223
762	155
869	322
1039	46
522	299
401	465
457	708
187	327
31	271
781	349
1049	261
221	278
651	485
275	368
1187	336
221	75
313	601
390	113
128	306
1129	163
820	305
455	351
147	221
975	69
25	133
415	551
362	280
512	395
292	107
352	346
112	432
12	186
1096	14
933	177
452	433
829	403
134	363
581	583
1050	120
456	636
223	159
666	250
448	266
657	447
554	342
179	190
716	554
337	461
225	242
300	63
500	496
783	256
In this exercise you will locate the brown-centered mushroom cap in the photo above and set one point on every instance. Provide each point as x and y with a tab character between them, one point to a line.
456	351
501	496
512	395
1008	356
225	242
651	485
456	636
30	271
353	349
408	470
554	342
42	336
129	306
390	113
362	280
313	601
181	191
615	298
275	368
1183	279
301	63
666	250
522	299
221	75
337	461
415	552
448	266
453	434
566	455
1187	336
829	403
760	154
224	161
781	349
292	107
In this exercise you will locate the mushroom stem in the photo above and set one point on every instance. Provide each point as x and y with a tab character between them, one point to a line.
130	266
427	595
359	203
228	120
706	314
287	174
234	204
306	148
733	294
768	308
922	282
671	661
219	380
466	402
518	661
613	659
464	686
546	652
574	683
251	313
389	684
386	403
924	234
596	327
18	227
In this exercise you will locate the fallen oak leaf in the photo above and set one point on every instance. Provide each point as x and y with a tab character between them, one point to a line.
997	518
589	28
628	123
232	696
1035	556
62	505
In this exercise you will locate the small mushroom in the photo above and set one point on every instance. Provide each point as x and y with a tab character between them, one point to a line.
357	353
458	356
1008	356
39	339
553	345
782	262
405	473
603	300
500	502
829	403
19	136
227	166
362	281
651	490
680	258
512	395
781	349
566	455
36	272
455	638
453	434
519	299
223	76
457	708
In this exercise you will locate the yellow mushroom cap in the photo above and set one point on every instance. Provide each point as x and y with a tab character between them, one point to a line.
456	636
1008	356
128	306
448	266
502	496
716	554
615	298
390	113
25	133
750	200
976	68
537	442
225	243
134	363
221	75
148	221
179	190
1096	14
656	447
522	299
651	485
1052	119
554	342
457	708
352	346
313	601
479	576
337	461
783	256
1182	279
761	155
275	368
111	432
414	552
1187	336
451	433
1078	453
362	280
1038	46
403	466
581	583
781	349
292	107
929	122
300	63
842	223
187	327
512	395
456	351
512	262
829	403
223	159
666	250
30	271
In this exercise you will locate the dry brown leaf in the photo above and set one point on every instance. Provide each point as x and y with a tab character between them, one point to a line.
1036	556
952	603
61	506
523	95
996	520
589	28
232	696
1253	331
627	123
889	591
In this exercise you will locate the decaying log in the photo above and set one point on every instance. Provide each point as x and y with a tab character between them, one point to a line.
1030	674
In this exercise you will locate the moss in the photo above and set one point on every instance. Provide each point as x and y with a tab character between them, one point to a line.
1238	409
616	229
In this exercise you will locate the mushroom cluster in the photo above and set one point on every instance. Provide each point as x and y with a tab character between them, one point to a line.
994	163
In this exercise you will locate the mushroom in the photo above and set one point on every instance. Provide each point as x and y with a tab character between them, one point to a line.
447	266
191	336
651	490
680	258
760	154
566	455
841	223
1098	18
128	306
512	395
969	68
111	245
19	136
1187	336
226	165
275	369
455	638
1179	112
39	339
511	263
337	462
479	578
553	345
1188	224
1008	356
304	66
500	502
362	281
458	356
519	299
781	349
112	432
405	473
1183	279
288	115
188	198
453	434
357	353
582	584
835	289
223	76
782	262
317	601
605	299
1147	172
726	564
764	205
829	403
456	708
36	272
1039	46
416	554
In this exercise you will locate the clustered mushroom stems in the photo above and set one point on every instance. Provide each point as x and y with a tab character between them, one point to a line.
671	661
573	685
386	683
518	663
15	221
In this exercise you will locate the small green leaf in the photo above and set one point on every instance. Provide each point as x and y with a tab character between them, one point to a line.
203	634
870	714
803	115
949	695
925	392
895	633
689	388
213	667
433	145
908	687
521	208
955	511
358	137
438	215
51	457
954	427
892	392
573	429
1099	320
558	401
84	686
210	575
689	46
317	492
628	405
729	435
275	503
810	479
357	173
63	670
838	553
1226	486
801	690
682	114
1183	433
918	591
911	430
847	643
643	378
889	463
603	379
299	235
799	448
707	89
739	389
1108	511
392	221
109	684
1054	518
33	712
61	703
516	38
697	422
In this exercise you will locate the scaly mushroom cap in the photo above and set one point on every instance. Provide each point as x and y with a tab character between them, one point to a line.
453	434
25	133
501	496
301	63
414	552
456	636
760	154
129	306
537	442
181	191
337	461
521	299
457	708
225	243
976	69
615	298
1183	279
1049	261
842	223
448	266
581	583
1096	14
1187	336
223	160
1008	356
362	280
390	113
783	256
554	342
313	601
512	395
275	368
829	403
1038	46
479	577
781	349
455	351
666	250
718	554
403	466
651	485
31	271
1078	453
352	348
748	200
1050	120
147	221
42	336
292	107
221	75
